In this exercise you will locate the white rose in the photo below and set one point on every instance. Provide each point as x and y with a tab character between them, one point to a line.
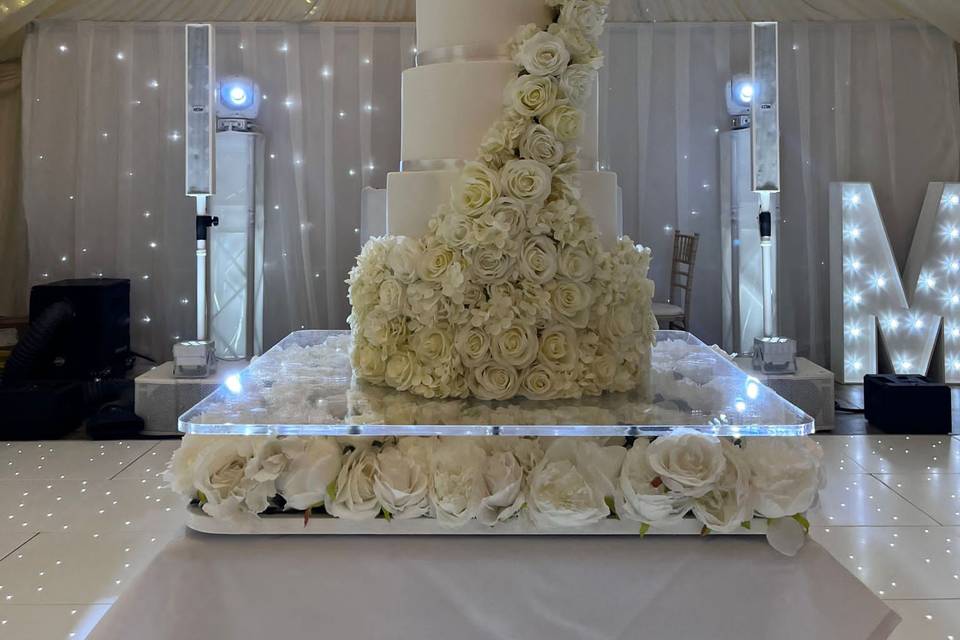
502	138
644	496
490	265
477	188
576	264
432	346
538	260
531	96
689	462
401	484
618	323
179	472
558	348
540	382
572	300
219	476
584	15
392	296
577	83
403	258
455	228
382	330
539	143
571	484
473	345
543	54
434	262
368	361
353	497
494	381
516	347
457	485
314	464
402	371
787	474
581	47
503	479
526	180
726	507
565	122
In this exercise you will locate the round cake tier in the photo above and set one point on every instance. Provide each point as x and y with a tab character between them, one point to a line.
414	196
449	107
490	23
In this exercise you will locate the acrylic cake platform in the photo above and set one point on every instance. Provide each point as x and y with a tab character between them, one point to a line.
304	386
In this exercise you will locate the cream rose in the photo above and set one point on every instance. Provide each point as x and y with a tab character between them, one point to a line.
644	496
580	46
503	480
179	472
456	481
538	260
434	263
571	484
540	382
584	15
576	264
689	462
558	348
352	497
490	265
432	345
577	83
455	228
314	464
402	371
403	257
726	507
787	474
531	96
473	345
526	180
543	54
219	477
476	190
572	300
515	347
539	143
565	122
401	484
494	381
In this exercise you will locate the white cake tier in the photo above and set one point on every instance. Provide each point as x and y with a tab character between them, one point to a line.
414	196
448	107
450	23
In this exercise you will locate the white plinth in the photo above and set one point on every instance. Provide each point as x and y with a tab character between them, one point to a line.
810	388
160	398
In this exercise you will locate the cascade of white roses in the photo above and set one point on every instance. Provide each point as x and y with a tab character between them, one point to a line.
552	484
510	292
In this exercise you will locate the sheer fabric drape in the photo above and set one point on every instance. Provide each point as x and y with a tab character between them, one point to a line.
13	245
861	101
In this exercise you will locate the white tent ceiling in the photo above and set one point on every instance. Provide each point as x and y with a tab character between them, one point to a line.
16	14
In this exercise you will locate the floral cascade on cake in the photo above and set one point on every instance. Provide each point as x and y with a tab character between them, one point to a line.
553	484
510	292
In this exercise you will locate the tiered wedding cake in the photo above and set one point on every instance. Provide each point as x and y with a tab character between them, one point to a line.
503	273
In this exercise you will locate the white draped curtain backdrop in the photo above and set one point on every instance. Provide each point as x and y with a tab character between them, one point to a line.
103	151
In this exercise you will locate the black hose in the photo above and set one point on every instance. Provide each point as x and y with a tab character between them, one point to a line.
37	343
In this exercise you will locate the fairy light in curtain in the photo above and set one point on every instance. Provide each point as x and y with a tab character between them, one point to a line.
870	291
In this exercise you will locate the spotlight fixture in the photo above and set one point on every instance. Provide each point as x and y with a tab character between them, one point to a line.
237	97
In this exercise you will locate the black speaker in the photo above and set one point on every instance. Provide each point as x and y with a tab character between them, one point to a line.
95	341
906	404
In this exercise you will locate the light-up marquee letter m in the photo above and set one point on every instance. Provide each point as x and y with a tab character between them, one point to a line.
876	314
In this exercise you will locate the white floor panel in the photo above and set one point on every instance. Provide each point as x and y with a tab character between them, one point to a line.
76	568
903	454
898	562
927	619
49	622
937	494
69	459
862	500
81	505
10	541
836	455
151	464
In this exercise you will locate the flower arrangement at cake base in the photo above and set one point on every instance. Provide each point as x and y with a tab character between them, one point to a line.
686	481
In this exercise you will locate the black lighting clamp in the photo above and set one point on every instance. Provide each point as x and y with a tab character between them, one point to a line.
204	223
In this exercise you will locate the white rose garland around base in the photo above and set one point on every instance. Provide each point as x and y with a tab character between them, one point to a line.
555	483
